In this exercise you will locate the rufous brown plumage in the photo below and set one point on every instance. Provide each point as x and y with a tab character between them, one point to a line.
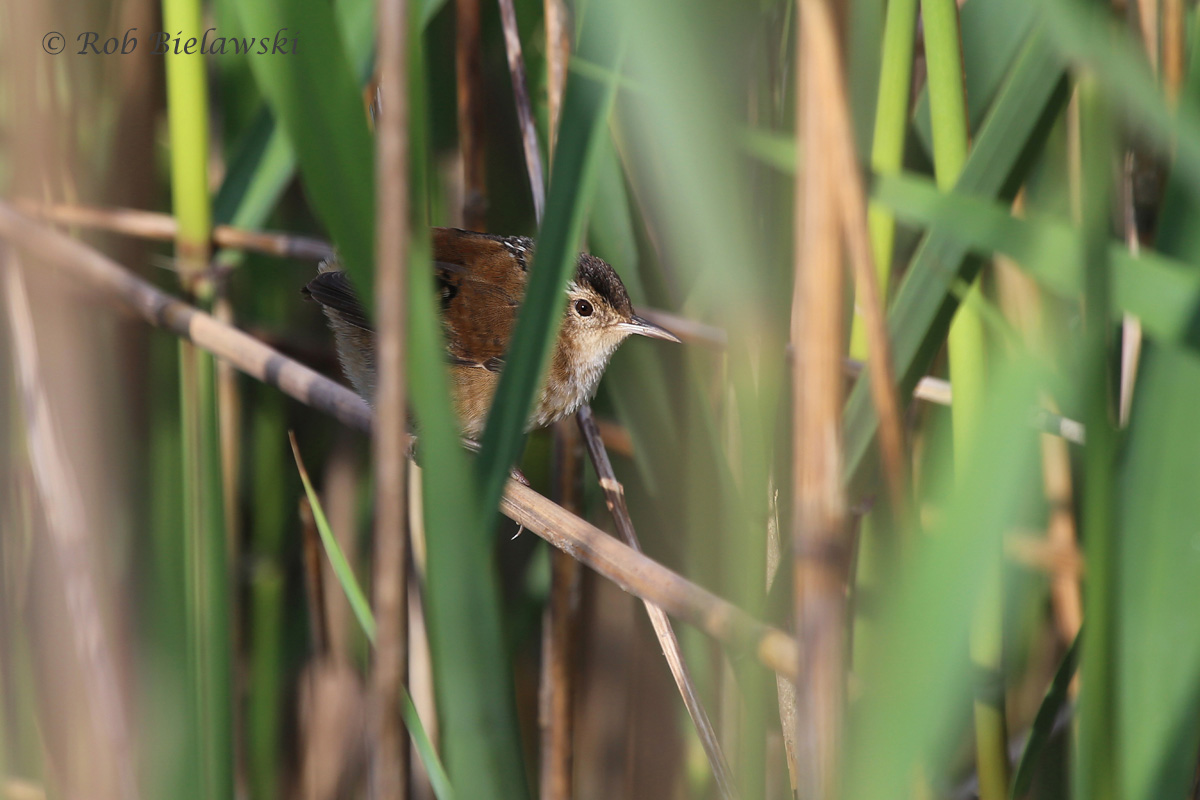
481	282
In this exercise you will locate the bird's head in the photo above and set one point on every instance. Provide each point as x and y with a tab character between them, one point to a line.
599	315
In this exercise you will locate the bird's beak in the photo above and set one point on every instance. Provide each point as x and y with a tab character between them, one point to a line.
643	328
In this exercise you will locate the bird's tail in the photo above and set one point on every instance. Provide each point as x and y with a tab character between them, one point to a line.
352	331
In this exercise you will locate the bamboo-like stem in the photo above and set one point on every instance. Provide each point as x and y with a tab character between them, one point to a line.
819	551
614	496
209	619
887	146
632	571
968	371
61	498
529	140
389	771
469	75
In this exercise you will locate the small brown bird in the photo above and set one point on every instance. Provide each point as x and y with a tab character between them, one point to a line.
481	281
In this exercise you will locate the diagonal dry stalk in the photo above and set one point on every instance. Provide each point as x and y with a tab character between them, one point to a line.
629	569
389	773
614	496
516	66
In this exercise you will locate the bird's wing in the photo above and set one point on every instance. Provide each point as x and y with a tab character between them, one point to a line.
481	281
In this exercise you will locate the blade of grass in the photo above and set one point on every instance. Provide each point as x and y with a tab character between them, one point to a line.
1097	767
1052	705
472	672
586	108
362	612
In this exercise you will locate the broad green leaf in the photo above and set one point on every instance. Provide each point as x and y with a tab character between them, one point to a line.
1157	580
314	93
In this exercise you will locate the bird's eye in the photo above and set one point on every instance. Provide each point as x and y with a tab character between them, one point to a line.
583	308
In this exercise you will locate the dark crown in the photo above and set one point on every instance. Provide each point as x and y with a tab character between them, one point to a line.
604	281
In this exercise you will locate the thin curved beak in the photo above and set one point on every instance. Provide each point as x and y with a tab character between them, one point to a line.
643	328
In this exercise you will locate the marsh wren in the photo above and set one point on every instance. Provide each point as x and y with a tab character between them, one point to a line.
481	281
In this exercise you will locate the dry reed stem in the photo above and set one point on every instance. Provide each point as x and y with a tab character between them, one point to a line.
61	499
389	771
1174	46
314	579
851	197
560	621
614	497
229	432
1035	551
1066	595
558	53
819	549
163	227
1147	11
559	634
516	67
468	50
629	569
